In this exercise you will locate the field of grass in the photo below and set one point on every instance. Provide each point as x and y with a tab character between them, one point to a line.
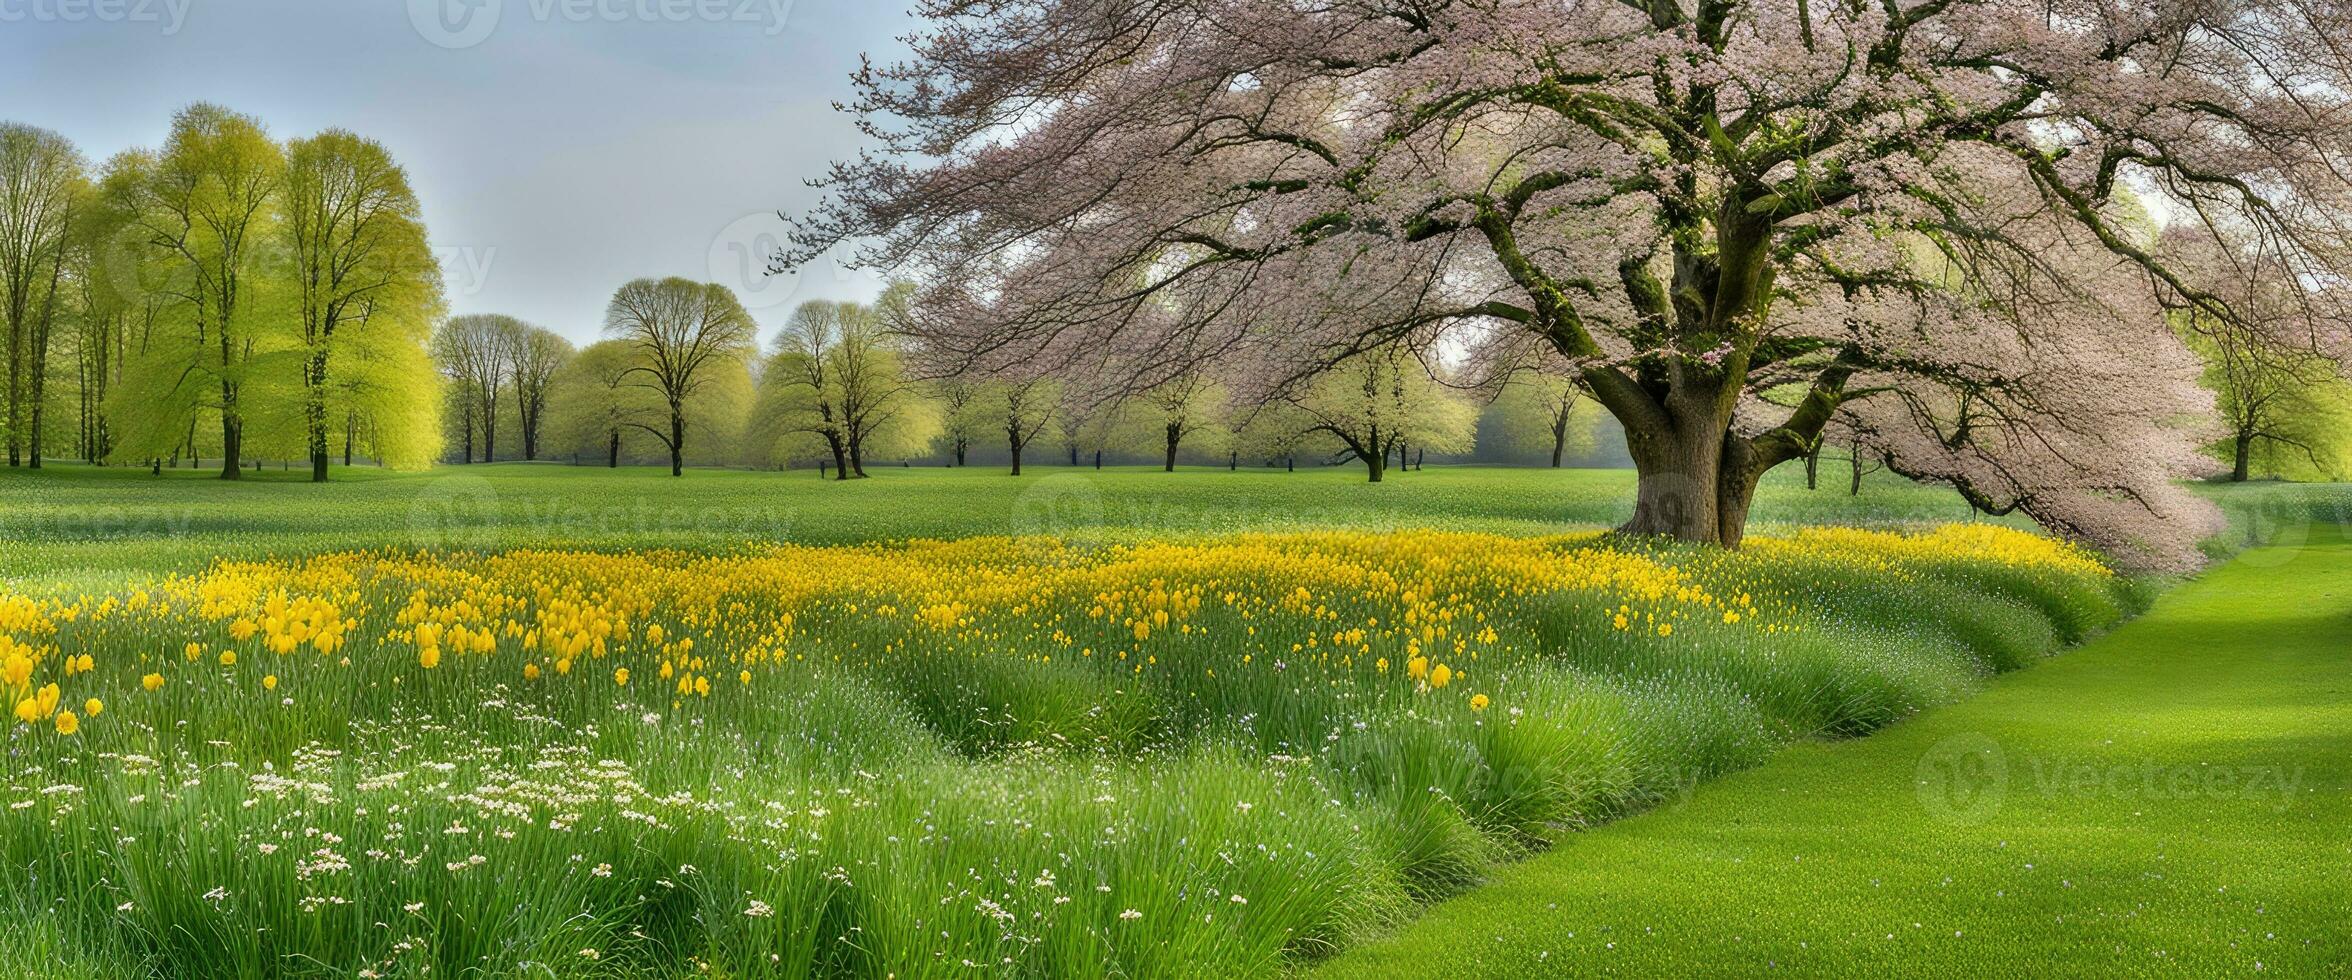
1151	749
106	522
2173	799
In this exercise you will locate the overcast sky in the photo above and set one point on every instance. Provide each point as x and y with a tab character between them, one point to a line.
561	147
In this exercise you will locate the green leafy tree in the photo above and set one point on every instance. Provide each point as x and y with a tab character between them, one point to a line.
682	336
43	186
2284	413
356	234
1384	402
593	408
838	379
1544	416
1188	410
535	354
206	209
476	353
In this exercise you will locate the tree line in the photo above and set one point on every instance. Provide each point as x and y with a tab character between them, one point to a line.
225	296
681	376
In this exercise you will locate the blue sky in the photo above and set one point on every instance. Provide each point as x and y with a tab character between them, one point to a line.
561	147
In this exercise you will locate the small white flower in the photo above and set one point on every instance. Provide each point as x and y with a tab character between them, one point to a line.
1130	915
759	910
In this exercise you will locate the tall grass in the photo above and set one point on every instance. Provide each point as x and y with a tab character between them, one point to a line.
1210	756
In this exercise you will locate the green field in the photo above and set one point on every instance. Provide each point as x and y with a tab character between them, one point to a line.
950	722
70	519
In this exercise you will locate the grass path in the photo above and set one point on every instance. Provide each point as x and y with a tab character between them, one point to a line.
2173	799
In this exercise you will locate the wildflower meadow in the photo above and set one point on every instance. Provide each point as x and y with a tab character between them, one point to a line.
1206	755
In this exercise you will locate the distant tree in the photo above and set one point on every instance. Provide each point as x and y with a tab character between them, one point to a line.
1544	415
1186	407
43	184
2285	408
838	376
963	414
679	334
2283	413
1381	402
476	352
386	390
357	236
592	406
1081	428
1274	432
1025	406
536	354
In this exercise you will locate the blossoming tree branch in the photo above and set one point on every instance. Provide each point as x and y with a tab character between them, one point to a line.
1961	232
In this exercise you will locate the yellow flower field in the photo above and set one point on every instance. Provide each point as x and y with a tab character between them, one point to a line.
1021	754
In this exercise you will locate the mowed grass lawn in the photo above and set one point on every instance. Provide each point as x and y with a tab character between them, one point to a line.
2173	799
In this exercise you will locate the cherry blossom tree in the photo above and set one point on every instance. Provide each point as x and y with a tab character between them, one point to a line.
1734	220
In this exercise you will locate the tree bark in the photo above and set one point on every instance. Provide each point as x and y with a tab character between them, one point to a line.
840	455
2242	458
677	439
315	410
1175	436
612	459
1694	479
232	435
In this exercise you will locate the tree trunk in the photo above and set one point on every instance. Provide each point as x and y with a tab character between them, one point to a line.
232	436
1559	443
1375	464
1856	491
840	455
1813	468
1073	457
1098	460
612	459
1016	447
857	458
2242	458
1175	436
315	410
350	435
677	440
1696	480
